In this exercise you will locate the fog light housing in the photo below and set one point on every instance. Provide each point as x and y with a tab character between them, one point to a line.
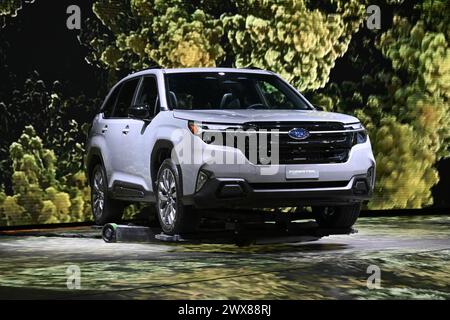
360	187
201	180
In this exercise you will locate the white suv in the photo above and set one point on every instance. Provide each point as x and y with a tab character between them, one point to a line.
188	139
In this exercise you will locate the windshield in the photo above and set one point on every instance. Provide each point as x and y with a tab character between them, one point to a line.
231	90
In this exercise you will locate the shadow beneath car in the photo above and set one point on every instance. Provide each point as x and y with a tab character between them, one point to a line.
293	248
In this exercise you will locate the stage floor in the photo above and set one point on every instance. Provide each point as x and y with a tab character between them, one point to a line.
412	253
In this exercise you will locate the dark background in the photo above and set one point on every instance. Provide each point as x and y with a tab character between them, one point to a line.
38	39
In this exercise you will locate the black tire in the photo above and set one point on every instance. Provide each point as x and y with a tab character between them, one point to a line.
112	209
337	217
183	219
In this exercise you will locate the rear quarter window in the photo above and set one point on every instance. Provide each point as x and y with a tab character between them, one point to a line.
108	107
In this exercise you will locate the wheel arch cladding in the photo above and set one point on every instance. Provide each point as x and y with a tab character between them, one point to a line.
94	158
161	150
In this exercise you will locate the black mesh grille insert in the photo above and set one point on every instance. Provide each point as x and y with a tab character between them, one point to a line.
329	147
317	148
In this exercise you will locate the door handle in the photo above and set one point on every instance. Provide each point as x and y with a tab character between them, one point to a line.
126	130
105	128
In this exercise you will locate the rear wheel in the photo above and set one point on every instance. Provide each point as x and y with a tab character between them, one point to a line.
104	209
173	216
337	217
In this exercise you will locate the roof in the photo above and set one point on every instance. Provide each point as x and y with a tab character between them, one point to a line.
192	70
188	70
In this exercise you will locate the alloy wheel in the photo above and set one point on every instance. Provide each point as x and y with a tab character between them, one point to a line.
167	198
98	194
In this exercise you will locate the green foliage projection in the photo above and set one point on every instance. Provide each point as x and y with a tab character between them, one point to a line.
170	33
10	7
288	37
403	99
61	120
44	178
39	197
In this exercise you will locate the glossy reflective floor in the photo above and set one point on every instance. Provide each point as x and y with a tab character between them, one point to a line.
413	254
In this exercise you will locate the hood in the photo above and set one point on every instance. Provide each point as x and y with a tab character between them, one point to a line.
243	116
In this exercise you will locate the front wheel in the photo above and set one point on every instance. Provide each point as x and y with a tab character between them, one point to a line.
337	217
173	216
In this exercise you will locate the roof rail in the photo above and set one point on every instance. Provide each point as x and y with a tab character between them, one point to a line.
155	66
254	68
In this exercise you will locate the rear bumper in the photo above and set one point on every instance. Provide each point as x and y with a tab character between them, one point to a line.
235	192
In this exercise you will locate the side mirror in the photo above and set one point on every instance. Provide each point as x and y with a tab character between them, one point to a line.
140	111
319	108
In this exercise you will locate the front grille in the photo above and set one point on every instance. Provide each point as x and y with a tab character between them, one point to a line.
317	148
330	147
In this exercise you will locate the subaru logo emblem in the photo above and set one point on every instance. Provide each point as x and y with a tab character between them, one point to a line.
298	133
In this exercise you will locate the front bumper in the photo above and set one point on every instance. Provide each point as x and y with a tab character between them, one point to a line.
359	161
237	192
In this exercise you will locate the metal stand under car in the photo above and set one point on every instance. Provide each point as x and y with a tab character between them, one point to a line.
237	233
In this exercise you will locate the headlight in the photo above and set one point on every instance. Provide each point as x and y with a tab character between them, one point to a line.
354	126
361	137
198	128
360	133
